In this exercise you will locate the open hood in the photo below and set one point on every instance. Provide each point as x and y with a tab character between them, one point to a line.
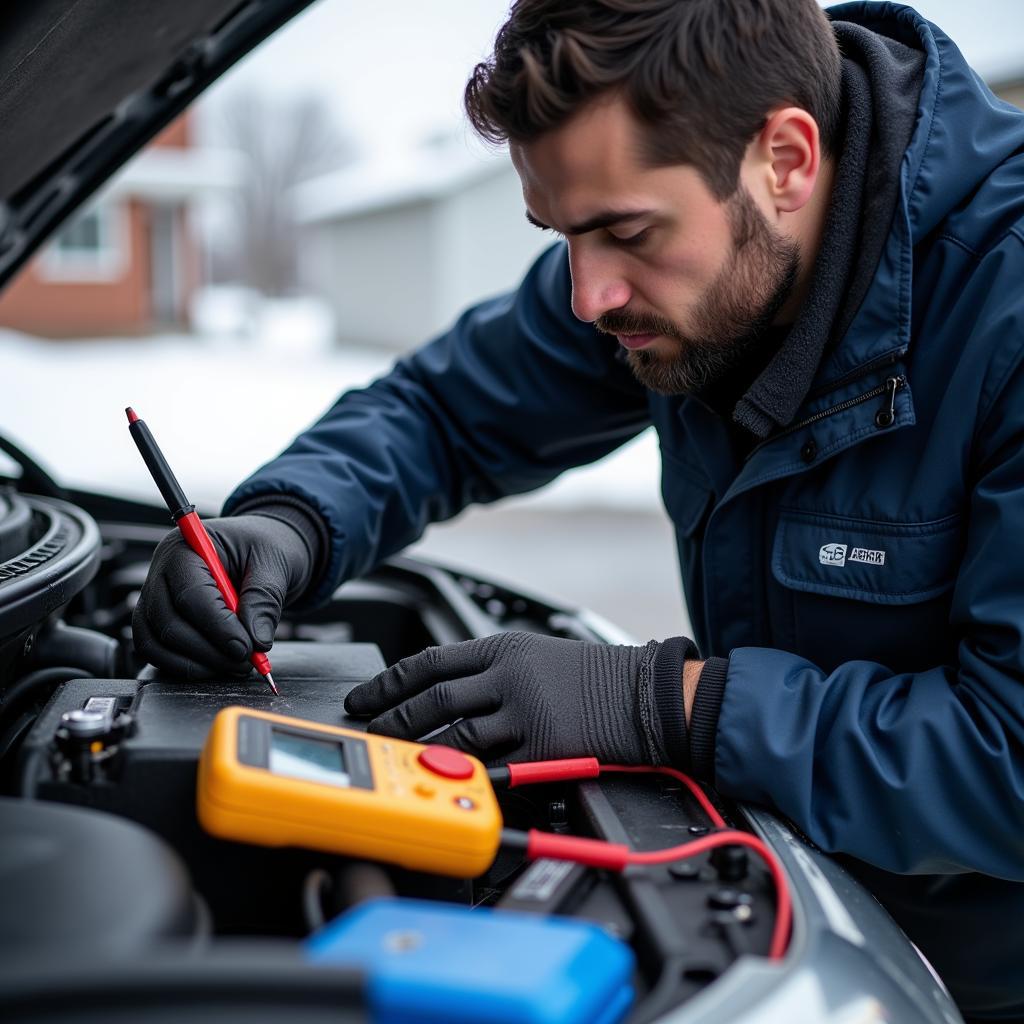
86	83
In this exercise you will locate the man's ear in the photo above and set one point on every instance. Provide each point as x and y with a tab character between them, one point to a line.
786	157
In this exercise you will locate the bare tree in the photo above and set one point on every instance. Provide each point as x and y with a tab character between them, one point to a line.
284	143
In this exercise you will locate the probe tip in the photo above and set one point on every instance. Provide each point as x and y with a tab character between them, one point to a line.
273	686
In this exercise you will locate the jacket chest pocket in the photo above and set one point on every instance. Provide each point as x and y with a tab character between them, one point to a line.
855	589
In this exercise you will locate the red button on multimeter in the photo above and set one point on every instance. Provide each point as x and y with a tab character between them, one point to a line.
448	763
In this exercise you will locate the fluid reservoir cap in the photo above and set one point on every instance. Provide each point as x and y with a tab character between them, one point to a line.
446	762
84	724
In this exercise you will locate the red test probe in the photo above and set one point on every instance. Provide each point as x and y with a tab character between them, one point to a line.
191	526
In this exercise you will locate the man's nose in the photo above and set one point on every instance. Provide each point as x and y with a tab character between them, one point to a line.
598	285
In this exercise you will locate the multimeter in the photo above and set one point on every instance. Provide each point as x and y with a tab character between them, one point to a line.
278	781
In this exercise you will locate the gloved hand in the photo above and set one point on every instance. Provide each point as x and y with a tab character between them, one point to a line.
181	622
525	697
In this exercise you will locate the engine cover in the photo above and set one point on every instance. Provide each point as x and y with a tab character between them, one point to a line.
79	882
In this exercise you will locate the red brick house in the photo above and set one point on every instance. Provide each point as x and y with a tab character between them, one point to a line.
128	262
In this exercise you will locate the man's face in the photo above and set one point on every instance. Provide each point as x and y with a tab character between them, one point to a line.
685	282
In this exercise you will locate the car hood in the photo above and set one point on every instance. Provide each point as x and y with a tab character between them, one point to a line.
86	83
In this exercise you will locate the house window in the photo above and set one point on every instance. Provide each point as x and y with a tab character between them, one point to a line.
87	248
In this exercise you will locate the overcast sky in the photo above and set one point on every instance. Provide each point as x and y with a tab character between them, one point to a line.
393	70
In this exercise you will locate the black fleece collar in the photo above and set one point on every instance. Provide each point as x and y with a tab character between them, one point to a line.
881	84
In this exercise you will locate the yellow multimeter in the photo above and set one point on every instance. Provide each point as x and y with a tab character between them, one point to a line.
279	781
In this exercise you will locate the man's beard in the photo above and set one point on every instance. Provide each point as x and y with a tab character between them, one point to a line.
730	316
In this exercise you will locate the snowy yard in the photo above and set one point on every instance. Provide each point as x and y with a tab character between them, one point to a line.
221	407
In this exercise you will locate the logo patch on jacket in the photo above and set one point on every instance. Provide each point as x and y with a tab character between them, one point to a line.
832	554
835	554
867	555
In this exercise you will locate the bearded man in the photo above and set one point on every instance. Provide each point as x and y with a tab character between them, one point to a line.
794	243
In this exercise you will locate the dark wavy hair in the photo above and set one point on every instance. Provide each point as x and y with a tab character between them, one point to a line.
700	75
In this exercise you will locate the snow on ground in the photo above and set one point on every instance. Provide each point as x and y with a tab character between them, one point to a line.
220	407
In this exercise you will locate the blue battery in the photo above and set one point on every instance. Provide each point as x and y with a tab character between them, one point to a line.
438	963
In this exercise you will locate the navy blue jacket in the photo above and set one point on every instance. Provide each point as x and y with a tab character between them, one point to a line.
863	572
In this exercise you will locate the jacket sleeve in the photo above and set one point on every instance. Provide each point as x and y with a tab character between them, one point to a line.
516	392
919	773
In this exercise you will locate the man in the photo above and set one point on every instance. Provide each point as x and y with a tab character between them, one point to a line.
795	244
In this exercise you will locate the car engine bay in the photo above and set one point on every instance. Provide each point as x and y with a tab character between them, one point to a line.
92	741
117	905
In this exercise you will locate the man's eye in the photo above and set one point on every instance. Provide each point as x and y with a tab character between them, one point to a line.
638	239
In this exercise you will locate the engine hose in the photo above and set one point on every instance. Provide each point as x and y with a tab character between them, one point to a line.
30	685
314	887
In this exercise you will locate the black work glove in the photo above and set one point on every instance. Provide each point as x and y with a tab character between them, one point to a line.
181	623
526	697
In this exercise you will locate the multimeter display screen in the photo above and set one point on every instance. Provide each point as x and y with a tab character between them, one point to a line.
302	757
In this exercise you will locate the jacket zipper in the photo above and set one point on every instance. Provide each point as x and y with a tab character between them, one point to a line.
861	371
885	417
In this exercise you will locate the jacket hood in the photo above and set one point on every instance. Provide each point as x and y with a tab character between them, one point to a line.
963	131
961	135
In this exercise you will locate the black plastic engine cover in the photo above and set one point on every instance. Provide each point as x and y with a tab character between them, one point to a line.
77	882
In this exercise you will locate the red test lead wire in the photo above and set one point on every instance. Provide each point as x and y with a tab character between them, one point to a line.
191	526
615	856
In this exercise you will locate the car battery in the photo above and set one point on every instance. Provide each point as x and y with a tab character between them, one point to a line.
131	747
428	963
